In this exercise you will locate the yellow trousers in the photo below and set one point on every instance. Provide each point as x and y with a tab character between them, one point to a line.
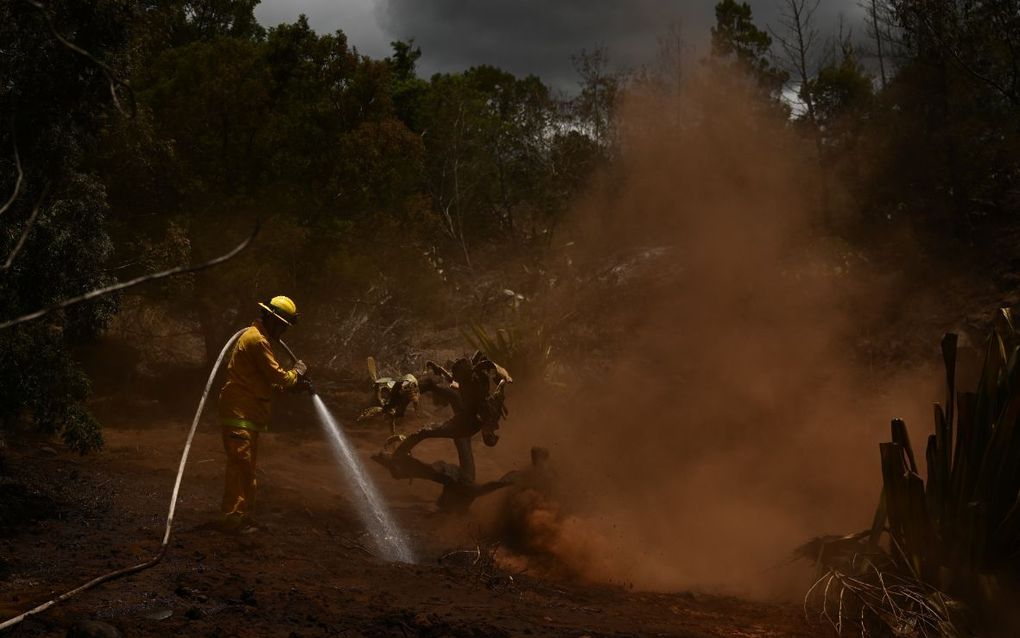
241	447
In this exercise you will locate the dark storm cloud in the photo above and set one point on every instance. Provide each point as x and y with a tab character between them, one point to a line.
539	36
526	36
356	18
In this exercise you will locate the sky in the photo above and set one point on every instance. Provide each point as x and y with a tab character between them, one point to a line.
527	36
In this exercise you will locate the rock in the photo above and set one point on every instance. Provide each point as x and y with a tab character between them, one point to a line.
93	629
159	614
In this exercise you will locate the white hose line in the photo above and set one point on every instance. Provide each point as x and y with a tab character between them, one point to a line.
169	517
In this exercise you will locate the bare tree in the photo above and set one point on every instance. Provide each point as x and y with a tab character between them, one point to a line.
884	30
123	285
797	39
840	46
594	106
454	221
671	57
875	26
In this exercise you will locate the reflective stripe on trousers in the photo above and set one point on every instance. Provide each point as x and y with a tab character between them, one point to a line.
241	448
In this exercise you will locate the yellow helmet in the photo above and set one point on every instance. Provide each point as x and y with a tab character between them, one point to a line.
283	308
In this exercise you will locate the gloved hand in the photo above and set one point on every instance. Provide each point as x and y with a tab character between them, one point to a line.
301	368
304	384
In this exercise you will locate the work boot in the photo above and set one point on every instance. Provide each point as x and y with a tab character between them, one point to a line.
232	523
250	528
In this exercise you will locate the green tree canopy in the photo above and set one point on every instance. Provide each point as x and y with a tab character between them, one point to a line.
737	43
52	101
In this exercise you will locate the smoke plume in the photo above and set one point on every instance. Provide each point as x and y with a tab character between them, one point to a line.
732	416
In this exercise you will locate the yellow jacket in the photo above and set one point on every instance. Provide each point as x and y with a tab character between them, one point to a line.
252	375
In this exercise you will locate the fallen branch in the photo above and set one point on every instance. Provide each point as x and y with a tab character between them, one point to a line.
21	174
100	292
855	590
24	233
111	77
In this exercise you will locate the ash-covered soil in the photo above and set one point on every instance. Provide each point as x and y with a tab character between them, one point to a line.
311	572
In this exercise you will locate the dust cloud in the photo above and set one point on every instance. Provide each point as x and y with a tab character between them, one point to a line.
733	416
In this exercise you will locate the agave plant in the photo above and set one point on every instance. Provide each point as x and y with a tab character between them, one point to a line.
526	357
954	536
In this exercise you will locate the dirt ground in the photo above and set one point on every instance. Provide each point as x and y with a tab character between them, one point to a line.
311	572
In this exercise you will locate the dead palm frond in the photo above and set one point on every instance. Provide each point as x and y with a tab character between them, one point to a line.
949	542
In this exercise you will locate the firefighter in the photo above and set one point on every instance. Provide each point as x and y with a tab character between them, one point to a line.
253	374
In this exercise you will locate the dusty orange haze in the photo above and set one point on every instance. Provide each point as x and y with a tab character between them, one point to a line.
734	426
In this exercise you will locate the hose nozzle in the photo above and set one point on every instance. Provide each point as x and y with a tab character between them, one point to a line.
305	385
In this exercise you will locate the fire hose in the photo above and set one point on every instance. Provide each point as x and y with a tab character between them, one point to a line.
134	569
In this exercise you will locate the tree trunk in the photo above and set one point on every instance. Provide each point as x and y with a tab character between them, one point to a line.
878	41
214	323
